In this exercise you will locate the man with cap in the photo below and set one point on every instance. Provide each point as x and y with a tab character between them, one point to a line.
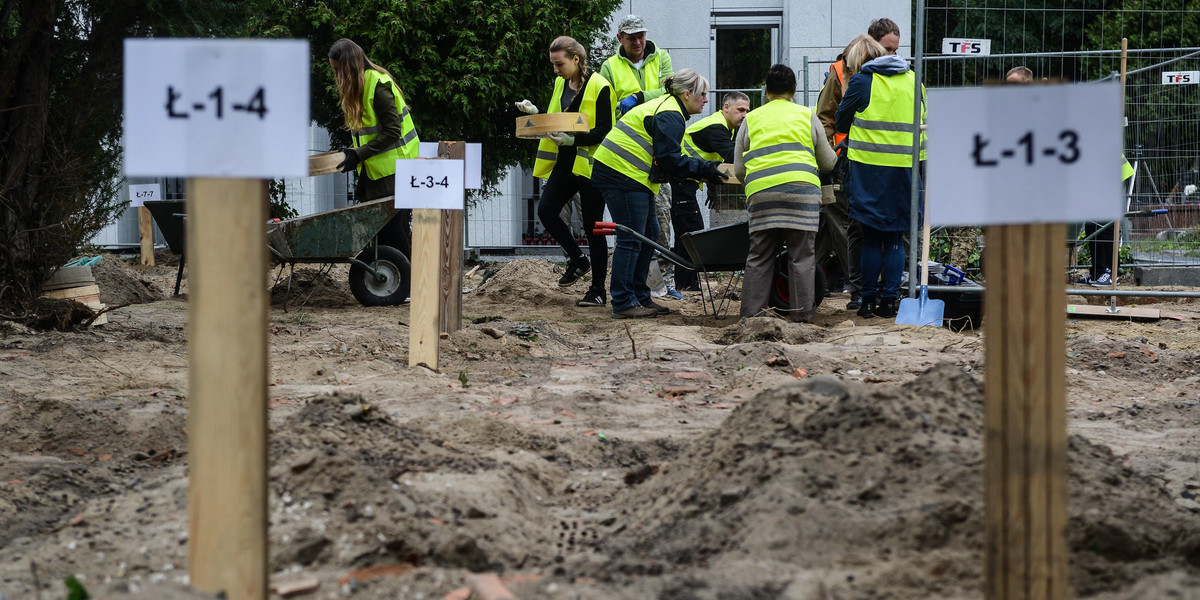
636	72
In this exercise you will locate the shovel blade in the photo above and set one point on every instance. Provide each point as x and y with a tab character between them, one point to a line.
921	311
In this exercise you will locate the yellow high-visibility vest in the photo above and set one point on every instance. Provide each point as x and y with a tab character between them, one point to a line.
629	149
689	147
780	146
625	79
384	164
547	152
882	134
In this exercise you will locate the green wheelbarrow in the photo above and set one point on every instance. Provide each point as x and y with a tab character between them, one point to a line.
379	274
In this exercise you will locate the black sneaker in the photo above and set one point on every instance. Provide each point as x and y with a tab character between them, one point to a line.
886	308
592	298
576	267
867	309
1104	280
855	302
656	307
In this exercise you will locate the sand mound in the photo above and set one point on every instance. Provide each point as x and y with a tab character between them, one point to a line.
529	280
825	473
316	288
122	284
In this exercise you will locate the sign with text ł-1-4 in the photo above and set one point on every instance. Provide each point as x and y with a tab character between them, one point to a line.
1014	154
216	108
429	183
139	193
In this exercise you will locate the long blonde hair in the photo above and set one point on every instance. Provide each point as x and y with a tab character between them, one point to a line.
862	50
349	64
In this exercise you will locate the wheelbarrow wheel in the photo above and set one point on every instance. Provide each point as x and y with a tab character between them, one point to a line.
392	288
781	294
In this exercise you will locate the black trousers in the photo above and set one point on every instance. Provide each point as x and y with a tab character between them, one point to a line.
1101	248
685	218
558	191
395	233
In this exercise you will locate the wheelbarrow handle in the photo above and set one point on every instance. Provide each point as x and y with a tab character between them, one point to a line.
605	225
599	231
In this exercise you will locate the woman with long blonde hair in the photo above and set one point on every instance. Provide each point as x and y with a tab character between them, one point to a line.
382	128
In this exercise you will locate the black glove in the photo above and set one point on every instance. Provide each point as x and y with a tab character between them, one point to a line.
350	162
714	174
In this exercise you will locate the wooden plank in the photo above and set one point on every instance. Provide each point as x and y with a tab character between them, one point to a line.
450	276
994	459
75	292
1025	550
146	235
1132	313
423	309
227	387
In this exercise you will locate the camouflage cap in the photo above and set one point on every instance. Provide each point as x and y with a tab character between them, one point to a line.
632	24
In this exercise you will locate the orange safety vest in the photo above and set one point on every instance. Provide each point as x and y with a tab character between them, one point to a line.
836	69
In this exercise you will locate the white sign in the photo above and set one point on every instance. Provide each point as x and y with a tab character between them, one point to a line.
216	108
1025	154
473	165
1180	77
139	193
966	46
432	183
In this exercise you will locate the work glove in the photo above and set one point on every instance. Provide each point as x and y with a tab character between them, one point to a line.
526	107
627	104
561	139
350	162
714	174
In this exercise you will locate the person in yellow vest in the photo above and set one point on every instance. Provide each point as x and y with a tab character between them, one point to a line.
710	138
877	112
1103	273
640	154
382	129
635	72
838	232
565	161
779	150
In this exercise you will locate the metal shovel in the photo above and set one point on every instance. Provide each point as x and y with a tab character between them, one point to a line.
922	311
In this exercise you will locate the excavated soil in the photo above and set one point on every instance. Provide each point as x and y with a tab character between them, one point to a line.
683	457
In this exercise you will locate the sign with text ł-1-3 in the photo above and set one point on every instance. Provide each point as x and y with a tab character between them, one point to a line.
216	108
139	193
1012	154
429	183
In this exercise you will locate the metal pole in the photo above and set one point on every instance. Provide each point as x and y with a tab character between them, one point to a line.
805	80
1080	292
915	199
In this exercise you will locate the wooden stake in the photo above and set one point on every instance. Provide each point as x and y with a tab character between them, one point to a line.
424	313
146	235
450	276
1025	414
227	423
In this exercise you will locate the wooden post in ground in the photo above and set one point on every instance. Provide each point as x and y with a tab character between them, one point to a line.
451	261
1025	463
146	235
424	325
227	423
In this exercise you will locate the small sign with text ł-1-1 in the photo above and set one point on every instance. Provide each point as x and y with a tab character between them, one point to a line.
429	183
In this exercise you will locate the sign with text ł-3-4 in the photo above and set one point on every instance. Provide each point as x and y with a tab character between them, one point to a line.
216	108
1012	154
429	183
139	193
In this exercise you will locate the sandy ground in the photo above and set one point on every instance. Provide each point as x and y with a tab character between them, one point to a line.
684	457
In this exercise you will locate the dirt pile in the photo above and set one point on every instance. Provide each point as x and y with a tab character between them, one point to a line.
827	474
526	280
122	284
314	288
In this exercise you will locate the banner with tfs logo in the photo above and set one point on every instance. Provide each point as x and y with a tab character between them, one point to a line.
1180	77
966	46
